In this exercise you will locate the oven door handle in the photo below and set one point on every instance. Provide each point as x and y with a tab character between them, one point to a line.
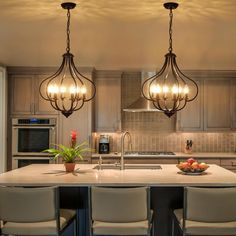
34	127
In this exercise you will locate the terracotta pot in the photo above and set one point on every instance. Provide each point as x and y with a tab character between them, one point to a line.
70	167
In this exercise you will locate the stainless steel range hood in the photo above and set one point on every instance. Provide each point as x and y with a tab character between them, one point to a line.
142	104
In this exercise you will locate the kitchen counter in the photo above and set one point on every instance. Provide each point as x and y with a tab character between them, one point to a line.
166	186
196	155
54	174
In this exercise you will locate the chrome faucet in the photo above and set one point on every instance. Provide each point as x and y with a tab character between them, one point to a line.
123	135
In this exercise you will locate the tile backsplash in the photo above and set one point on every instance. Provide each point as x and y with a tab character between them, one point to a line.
163	141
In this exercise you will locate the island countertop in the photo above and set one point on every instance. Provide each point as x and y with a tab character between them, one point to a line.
85	175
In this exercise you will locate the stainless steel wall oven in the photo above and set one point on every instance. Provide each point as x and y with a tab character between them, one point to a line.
30	136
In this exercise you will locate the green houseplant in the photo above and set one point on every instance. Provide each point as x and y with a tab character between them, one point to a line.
69	154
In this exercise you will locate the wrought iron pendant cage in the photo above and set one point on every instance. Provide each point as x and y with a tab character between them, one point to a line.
67	89
169	89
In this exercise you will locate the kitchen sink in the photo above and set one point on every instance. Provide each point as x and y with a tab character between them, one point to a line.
127	167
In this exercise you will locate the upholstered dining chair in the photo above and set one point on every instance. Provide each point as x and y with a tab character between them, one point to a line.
207	211
33	211
120	211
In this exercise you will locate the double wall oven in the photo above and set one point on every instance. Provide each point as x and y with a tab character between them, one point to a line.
30	136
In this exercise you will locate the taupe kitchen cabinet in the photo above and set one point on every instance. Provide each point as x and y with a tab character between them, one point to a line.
21	94
215	107
24	95
217	104
191	117
108	101
229	164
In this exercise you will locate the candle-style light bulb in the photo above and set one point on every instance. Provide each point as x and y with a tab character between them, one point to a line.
175	89
72	90
165	89
155	89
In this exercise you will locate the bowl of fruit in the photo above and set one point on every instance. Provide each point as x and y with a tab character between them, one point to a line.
192	167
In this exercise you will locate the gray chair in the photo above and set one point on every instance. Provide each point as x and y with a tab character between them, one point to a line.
120	211
207	211
33	211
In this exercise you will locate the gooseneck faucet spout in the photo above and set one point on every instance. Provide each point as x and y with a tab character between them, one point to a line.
123	135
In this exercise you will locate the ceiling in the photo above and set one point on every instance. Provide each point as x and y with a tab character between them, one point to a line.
119	34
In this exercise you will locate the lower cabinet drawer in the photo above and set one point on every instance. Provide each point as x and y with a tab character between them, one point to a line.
228	162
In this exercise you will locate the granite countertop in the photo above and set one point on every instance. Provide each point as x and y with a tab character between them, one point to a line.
177	155
55	175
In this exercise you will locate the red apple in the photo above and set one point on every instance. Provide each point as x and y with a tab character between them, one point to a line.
195	165
180	165
191	161
186	165
203	166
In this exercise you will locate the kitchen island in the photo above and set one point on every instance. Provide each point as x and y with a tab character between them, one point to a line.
166	186
85	175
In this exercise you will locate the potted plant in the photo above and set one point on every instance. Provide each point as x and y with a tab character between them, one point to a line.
69	154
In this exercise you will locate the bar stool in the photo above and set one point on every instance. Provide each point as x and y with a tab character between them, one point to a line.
120	211
33	211
207	211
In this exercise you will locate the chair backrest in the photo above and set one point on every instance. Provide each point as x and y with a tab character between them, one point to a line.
210	204
27	204
119	204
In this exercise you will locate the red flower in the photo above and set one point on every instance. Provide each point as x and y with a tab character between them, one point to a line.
73	135
73	138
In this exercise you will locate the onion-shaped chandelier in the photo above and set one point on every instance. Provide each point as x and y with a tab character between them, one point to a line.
67	89
169	89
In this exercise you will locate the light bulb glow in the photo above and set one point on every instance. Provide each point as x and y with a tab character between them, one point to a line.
72	90
175	89
186	89
155	89
77	90
165	89
53	89
83	90
62	89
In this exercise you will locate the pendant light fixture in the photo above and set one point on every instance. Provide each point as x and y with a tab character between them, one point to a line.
67	89
169	89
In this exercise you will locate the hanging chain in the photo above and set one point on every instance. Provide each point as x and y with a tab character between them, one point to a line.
68	31
170	31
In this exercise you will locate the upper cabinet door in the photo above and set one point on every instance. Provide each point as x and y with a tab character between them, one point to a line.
191	117
108	103
217	104
21	96
42	106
